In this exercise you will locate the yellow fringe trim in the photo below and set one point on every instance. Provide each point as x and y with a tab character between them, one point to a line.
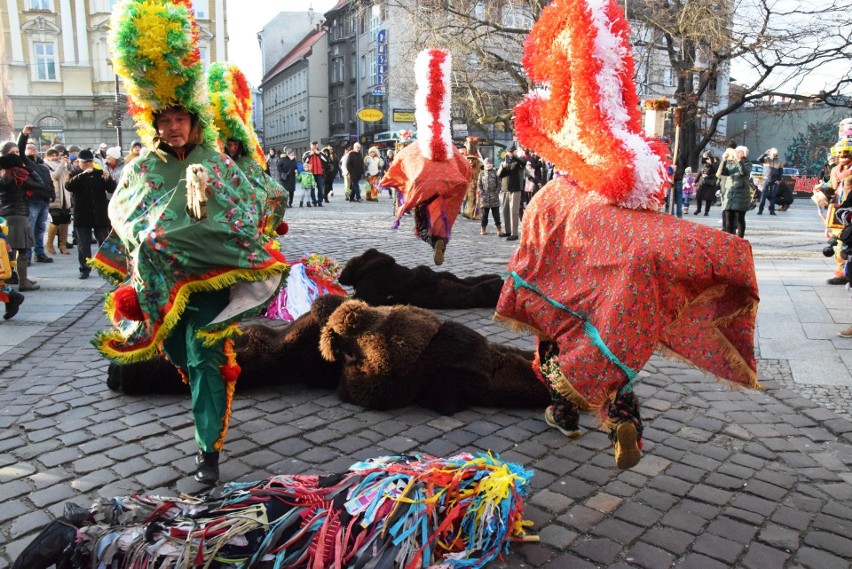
564	388
230	386
517	325
104	341
109	273
209	338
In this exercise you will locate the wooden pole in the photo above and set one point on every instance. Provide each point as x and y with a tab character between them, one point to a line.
678	116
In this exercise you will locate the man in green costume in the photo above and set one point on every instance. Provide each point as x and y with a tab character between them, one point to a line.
188	249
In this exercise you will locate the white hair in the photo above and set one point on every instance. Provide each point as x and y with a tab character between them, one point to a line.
742	149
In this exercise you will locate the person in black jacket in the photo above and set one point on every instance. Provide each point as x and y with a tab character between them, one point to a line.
38	206
287	166
17	186
355	168
89	187
511	173
706	184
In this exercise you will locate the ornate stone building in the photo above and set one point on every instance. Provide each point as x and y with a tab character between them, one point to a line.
56	71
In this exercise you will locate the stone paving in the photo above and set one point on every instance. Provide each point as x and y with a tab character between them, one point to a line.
730	478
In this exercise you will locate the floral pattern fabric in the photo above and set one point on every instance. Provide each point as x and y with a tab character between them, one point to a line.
611	285
168	255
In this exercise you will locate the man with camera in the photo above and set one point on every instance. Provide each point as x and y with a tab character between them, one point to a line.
773	170
91	187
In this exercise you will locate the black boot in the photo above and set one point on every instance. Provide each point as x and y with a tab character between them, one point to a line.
13	279
16	299
207	471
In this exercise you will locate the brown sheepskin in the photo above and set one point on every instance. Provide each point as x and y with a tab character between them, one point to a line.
398	356
379	281
378	357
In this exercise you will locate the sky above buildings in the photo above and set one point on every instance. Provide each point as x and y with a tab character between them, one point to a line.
247	17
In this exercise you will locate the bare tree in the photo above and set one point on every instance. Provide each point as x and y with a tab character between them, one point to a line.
777	48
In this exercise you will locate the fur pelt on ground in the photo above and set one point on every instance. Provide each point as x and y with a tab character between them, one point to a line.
401	355
379	281
378	357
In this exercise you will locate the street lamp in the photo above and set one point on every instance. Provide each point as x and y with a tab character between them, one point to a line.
118	106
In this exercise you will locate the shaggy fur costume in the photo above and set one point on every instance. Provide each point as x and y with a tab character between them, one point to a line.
379	281
400	355
380	358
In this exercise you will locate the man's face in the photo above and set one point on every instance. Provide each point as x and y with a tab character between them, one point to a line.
314	147
173	127
86	164
136	150
31	150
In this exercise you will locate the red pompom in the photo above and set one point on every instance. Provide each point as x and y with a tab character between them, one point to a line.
127	304
282	228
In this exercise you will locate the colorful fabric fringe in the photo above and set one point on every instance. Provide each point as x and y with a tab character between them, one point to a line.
401	511
310	278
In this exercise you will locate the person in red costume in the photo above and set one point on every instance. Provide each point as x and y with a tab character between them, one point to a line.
599	314
431	173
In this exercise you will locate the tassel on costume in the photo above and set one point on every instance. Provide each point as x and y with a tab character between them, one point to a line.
406	511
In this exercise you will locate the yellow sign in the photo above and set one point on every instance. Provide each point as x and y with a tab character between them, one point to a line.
400	115
370	115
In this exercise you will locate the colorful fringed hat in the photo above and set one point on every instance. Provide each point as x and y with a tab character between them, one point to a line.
230	101
432	103
586	119
154	46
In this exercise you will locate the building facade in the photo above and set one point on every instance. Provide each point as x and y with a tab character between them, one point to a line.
57	72
295	95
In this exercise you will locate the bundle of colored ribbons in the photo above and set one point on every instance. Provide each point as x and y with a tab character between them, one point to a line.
398	511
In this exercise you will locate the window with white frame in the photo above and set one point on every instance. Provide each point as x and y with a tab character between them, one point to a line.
375	20
201	9
52	132
43	5
204	54
669	77
45	61
373	67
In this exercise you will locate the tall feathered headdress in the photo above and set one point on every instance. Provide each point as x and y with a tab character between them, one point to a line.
154	46
586	119
230	101
432	103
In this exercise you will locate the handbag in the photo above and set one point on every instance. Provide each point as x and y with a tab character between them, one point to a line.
820	198
831	219
59	216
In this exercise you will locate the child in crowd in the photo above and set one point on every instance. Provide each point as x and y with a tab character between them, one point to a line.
13	299
308	183
688	186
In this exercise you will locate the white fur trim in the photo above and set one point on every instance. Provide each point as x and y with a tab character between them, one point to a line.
649	171
422	115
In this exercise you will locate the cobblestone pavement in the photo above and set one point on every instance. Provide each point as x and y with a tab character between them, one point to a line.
730	478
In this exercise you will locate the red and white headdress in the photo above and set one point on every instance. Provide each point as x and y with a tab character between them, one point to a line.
586	119
432	103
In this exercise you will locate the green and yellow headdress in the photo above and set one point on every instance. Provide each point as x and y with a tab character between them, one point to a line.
230	101
154	46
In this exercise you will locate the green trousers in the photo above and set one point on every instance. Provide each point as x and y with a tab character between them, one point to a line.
202	365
